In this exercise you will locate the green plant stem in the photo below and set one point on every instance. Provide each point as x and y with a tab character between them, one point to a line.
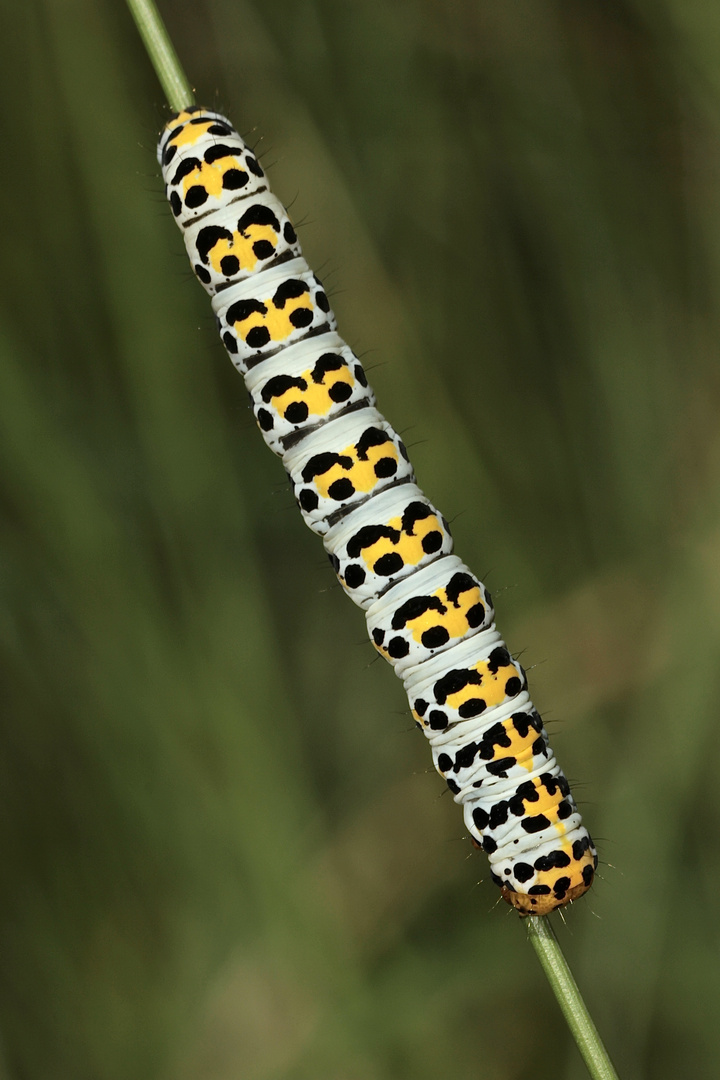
546	945
162	54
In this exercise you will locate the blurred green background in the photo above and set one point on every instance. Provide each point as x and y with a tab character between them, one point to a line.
224	851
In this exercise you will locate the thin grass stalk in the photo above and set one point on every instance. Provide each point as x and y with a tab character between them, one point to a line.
162	54
542	937
546	945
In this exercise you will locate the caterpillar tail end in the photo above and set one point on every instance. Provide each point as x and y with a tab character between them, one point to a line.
561	892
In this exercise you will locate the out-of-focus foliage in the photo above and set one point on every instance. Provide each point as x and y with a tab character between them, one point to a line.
224	852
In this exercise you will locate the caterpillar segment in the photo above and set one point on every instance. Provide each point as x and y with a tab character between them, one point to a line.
389	537
240	240
435	608
303	387
205	165
344	464
392	551
268	311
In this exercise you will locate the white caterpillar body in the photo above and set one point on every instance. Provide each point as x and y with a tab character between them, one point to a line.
391	549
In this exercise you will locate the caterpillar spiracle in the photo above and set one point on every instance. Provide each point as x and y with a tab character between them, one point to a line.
426	613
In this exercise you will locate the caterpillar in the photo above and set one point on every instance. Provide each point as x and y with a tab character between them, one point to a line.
426	613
